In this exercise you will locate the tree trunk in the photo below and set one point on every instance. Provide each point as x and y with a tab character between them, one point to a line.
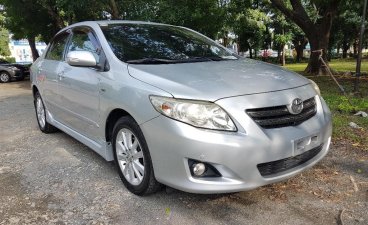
355	48
319	45
317	32
345	48
250	53
32	45
114	10
329	53
58	21
279	56
283	56
225	41
344	53
299	48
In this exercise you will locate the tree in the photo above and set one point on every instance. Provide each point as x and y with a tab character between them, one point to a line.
30	19
114	10
346	26
4	39
250	27
4	42
205	16
281	33
282	40
299	41
25	19
315	18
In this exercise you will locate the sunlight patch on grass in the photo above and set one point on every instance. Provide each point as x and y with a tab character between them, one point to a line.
338	65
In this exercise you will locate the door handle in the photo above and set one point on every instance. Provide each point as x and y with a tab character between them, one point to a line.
61	75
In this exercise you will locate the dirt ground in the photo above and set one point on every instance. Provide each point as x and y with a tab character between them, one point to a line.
54	179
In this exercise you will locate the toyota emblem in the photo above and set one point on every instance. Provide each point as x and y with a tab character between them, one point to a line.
296	106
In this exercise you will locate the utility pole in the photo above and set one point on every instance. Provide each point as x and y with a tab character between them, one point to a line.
359	60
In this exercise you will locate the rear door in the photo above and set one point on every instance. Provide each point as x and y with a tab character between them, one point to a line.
48	73
79	86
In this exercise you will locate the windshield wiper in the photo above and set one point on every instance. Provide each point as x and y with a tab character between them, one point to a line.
172	61
207	58
151	61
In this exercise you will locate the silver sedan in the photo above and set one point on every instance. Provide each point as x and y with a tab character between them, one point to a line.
171	106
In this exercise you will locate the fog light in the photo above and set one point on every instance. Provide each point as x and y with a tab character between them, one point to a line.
199	169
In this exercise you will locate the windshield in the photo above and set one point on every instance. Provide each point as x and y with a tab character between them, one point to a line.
156	44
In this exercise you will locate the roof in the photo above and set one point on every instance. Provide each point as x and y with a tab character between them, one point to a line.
107	22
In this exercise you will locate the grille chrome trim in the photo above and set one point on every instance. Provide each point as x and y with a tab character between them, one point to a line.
279	166
279	116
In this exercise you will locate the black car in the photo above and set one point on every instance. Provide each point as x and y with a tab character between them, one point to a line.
12	70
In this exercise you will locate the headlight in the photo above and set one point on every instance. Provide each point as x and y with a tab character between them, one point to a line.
12	67
315	86
196	113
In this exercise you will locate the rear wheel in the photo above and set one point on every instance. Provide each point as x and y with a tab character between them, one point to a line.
41	115
132	158
4	77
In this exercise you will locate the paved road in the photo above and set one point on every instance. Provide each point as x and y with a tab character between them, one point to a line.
54	179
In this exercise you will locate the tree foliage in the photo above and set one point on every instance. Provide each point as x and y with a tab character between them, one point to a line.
205	16
255	24
4	39
346	27
315	18
250	27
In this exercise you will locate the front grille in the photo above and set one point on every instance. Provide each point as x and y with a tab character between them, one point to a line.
270	168
279	116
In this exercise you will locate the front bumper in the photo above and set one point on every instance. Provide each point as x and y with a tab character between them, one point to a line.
16	73
234	154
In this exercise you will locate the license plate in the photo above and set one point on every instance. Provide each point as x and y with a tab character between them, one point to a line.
306	143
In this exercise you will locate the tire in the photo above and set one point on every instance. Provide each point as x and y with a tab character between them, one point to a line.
132	158
44	126
4	77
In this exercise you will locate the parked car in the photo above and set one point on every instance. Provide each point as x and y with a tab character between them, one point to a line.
171	106
12	70
7	72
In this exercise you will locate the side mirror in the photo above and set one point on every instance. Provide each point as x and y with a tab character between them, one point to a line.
81	58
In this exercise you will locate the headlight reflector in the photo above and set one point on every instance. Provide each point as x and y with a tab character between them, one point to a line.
12	67
196	113
315	86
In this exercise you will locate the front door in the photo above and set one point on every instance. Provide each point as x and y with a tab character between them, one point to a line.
79	87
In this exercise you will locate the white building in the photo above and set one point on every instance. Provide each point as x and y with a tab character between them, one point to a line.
21	51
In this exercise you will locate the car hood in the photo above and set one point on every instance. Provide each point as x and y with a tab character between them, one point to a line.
214	80
19	66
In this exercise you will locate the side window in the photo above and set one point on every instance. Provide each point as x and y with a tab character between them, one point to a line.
85	40
57	47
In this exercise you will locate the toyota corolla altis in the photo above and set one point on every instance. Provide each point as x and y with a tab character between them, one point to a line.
171	106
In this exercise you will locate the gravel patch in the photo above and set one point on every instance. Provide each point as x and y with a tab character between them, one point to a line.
54	179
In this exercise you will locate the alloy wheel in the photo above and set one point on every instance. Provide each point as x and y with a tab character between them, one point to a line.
130	156
4	77
40	110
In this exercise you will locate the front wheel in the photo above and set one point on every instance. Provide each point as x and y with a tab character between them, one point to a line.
132	158
4	77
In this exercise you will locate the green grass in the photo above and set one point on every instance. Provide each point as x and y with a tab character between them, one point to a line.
341	110
339	65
